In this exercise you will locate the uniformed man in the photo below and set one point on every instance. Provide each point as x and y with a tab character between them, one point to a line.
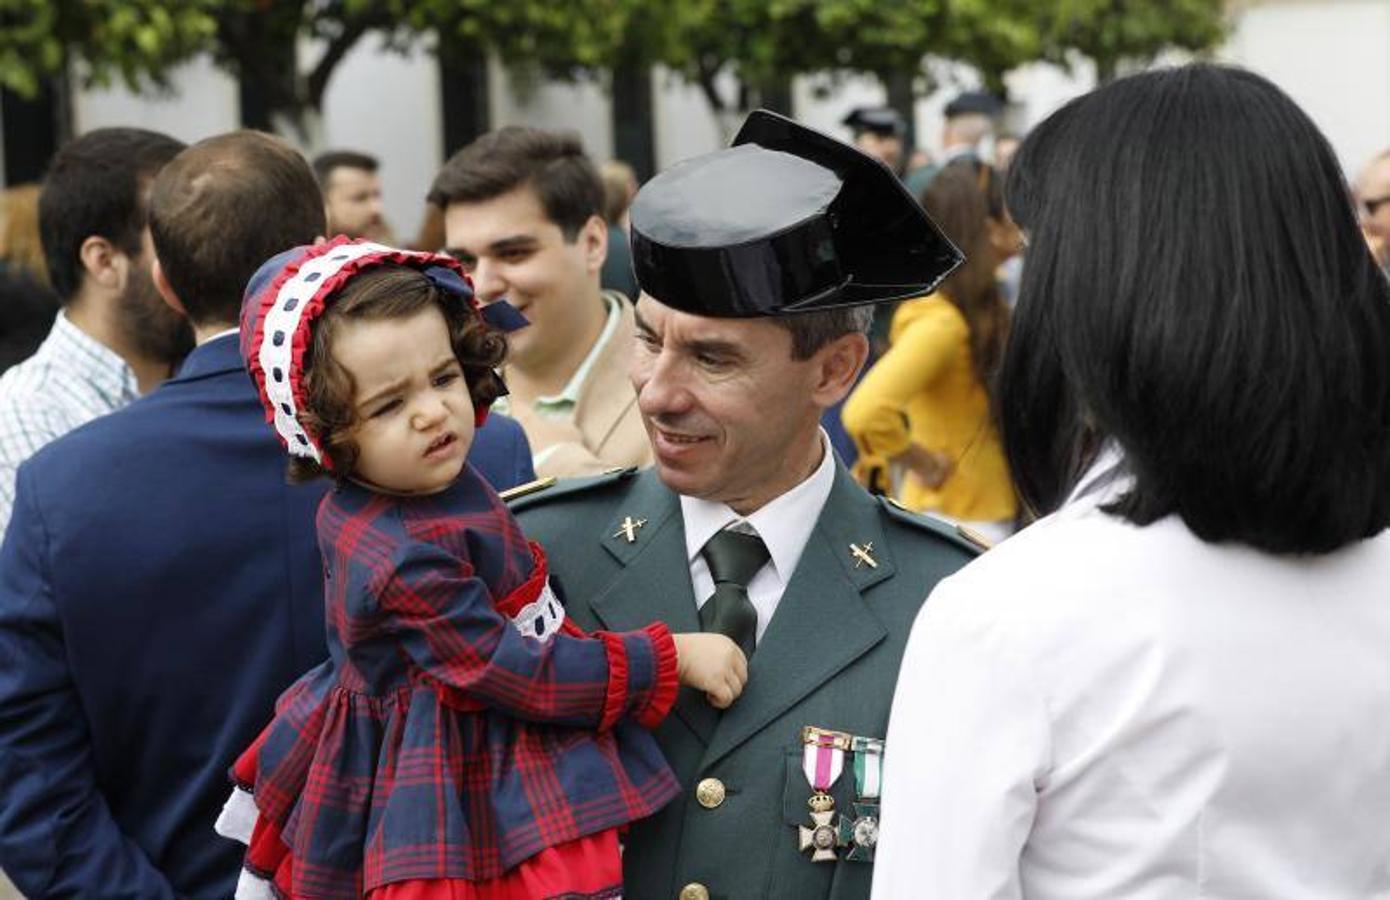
968	124
878	131
758	266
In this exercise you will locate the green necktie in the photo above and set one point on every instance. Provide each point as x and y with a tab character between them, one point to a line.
733	558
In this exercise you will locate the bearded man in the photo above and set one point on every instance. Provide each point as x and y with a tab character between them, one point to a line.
114	338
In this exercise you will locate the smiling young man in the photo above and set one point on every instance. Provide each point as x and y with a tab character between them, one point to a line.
758	267
523	211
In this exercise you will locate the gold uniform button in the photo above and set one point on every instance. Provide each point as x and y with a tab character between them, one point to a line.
710	793
694	891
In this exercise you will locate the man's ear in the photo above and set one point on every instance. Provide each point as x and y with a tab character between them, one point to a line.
838	365
166	290
102	264
594	239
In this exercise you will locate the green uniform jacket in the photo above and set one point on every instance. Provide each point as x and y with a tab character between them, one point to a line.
828	658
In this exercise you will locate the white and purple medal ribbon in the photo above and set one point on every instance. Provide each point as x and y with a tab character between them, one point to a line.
822	761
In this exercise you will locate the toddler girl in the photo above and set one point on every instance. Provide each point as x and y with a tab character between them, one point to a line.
463	740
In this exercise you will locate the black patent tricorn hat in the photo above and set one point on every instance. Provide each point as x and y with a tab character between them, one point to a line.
786	220
883	120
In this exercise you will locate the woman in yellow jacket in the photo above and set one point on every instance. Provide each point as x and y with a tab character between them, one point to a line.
921	417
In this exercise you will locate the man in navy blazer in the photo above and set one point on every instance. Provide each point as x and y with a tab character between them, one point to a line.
160	580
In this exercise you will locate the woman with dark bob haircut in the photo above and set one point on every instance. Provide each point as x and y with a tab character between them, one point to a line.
1177	682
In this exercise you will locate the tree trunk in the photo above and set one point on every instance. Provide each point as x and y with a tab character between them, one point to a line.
1106	69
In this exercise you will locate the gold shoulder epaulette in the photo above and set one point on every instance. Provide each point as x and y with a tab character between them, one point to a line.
530	487
974	537
961	535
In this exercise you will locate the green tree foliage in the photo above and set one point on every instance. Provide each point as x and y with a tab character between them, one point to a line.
258	40
757	46
764	43
136	40
1117	32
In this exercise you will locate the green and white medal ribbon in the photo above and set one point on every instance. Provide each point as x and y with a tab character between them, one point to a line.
860	833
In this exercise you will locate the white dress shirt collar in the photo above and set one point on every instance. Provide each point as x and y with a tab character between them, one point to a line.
785	524
1105	480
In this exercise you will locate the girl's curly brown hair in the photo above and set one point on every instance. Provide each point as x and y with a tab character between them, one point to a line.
386	292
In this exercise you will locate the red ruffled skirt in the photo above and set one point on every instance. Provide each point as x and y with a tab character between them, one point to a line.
590	867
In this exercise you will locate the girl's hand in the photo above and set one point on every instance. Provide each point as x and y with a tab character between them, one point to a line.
711	663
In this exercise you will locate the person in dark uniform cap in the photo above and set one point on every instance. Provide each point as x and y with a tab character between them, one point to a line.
759	266
969	118
878	131
981	103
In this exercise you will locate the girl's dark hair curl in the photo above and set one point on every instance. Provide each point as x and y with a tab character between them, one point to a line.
385	292
1198	292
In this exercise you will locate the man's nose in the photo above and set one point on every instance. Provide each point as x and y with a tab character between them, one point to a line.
487	281
660	385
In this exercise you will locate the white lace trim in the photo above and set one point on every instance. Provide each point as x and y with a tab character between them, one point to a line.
541	618
238	816
252	887
295	294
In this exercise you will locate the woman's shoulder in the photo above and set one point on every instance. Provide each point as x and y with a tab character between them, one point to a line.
1058	573
934	313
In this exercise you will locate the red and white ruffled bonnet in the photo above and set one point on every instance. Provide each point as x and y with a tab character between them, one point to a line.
289	292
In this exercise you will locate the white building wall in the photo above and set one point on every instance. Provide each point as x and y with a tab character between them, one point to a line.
1331	57
388	105
202	101
683	124
583	107
821	101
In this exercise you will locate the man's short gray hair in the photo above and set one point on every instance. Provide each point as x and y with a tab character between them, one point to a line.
811	331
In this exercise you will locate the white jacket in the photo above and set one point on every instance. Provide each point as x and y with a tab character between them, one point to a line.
1097	710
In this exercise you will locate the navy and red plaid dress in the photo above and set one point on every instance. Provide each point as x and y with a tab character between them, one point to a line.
448	736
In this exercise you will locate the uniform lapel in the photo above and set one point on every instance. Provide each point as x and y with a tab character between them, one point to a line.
822	623
654	581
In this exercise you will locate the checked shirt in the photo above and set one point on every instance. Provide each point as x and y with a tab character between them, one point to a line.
439	740
71	379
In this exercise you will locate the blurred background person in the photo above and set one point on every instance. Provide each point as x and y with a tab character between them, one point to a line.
921	418
352	195
1005	147
968	124
619	187
1011	270
27	302
114	338
1176	683
1373	203
879	132
523	211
